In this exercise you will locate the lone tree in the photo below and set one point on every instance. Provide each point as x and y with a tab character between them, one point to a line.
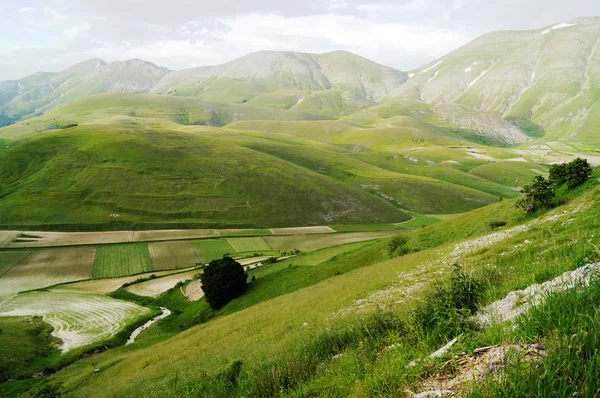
578	172
222	281
558	174
539	193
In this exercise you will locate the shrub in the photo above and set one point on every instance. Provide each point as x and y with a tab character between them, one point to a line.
229	375
496	224
578	171
537	194
447	311
397	245
222	281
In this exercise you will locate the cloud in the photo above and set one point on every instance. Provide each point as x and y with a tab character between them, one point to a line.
53	34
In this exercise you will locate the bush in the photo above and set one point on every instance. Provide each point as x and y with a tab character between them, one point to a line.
448	309
578	171
222	281
397	245
496	224
537	194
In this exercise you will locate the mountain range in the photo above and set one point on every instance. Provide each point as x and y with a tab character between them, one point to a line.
510	85
344	139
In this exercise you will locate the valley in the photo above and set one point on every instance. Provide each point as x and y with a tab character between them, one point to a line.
364	204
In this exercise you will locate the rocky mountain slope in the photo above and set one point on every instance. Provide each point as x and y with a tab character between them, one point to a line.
544	81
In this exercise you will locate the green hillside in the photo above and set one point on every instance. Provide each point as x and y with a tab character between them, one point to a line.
344	314
92	176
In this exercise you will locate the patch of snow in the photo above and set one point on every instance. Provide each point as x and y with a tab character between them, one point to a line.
516	160
480	76
300	100
545	32
433	66
410	75
563	25
468	69
434	76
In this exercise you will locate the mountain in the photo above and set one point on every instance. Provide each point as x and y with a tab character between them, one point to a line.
266	71
545	81
40	92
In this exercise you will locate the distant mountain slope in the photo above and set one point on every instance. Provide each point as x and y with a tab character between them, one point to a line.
271	70
40	92
546	80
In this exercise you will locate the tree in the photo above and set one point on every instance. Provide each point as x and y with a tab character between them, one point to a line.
558	174
397	245
539	193
222	281
578	171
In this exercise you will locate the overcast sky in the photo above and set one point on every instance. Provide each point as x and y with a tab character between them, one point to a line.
50	35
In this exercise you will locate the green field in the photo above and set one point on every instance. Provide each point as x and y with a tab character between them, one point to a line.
26	343
121	260
172	255
212	249
9	259
243	232
248	244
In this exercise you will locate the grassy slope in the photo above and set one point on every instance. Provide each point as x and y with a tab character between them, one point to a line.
88	173
272	327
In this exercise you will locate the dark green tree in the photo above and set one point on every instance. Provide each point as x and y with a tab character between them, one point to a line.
537	194
578	171
222	281
558	174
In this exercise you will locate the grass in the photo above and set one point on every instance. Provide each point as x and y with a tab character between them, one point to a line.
248	244
172	255
121	260
157	286
9	259
269	336
212	249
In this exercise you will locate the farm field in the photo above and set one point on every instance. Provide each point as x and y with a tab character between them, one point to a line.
122	260
9	259
176	234
46	239
78	319
316	242
106	285
156	287
212	249
172	255
47	267
302	230
243	232
193	290
248	244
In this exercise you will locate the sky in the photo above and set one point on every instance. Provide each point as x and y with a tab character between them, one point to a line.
51	35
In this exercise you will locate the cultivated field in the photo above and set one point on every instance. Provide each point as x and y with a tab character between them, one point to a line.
121	260
176	234
78	319
243	232
172	255
48	267
248	244
106	285
8	259
316	242
193	291
45	239
301	230
212	249
156	287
